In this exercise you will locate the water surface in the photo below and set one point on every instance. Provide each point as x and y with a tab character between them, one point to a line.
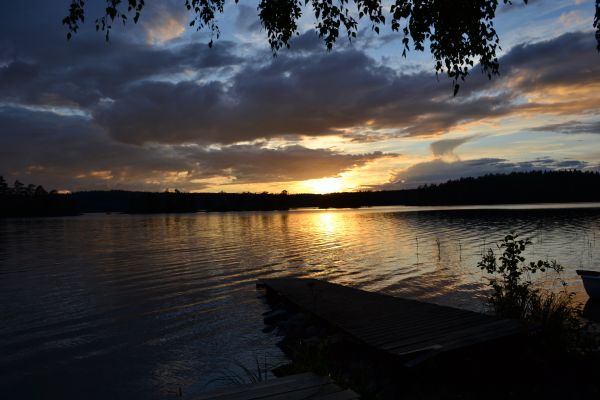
119	306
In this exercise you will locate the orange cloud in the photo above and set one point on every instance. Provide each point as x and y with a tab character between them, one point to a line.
167	29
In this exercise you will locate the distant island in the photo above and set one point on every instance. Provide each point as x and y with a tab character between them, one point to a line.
515	188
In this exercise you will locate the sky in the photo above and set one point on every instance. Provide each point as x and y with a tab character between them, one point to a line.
155	108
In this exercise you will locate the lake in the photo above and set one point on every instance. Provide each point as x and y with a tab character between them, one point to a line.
122	306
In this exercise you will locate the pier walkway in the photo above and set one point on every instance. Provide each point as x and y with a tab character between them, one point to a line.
394	325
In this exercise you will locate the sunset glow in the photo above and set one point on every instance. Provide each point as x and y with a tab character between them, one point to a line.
325	185
156	109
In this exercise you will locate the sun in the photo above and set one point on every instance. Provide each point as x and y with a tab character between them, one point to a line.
325	185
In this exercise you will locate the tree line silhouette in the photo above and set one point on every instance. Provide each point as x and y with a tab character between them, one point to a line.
514	188
22	200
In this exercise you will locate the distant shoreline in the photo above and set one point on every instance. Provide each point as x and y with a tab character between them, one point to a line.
537	187
474	207
533	207
544	189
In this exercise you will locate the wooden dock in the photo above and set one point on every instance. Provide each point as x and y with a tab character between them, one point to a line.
294	387
394	325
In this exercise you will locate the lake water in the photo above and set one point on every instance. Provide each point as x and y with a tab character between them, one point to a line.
119	306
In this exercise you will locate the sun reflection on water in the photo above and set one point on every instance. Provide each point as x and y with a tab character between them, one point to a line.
327	222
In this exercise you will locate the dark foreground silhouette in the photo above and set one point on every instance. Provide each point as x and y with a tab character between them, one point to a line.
514	188
469	360
22	200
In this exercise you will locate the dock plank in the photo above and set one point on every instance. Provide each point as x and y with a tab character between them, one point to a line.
391	324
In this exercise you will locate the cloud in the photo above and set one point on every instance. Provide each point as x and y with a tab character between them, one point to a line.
69	152
572	19
568	60
39	66
517	5
286	97
164	21
438	170
99	73
255	163
247	19
307	94
166	30
571	127
446	147
314	93
188	93
141	115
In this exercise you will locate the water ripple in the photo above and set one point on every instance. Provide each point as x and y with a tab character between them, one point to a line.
140	306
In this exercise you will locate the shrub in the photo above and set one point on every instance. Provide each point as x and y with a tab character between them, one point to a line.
554	316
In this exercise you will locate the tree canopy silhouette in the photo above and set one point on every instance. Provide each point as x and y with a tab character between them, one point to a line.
460	33
31	200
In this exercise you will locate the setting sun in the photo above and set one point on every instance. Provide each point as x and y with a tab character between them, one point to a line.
325	185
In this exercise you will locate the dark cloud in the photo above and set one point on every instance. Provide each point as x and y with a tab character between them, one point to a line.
438	170
366	135
40	67
571	127
571	164
517	5
315	93
70	152
570	59
305	92
255	163
286	97
105	72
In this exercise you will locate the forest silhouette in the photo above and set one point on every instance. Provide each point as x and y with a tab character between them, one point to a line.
22	200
